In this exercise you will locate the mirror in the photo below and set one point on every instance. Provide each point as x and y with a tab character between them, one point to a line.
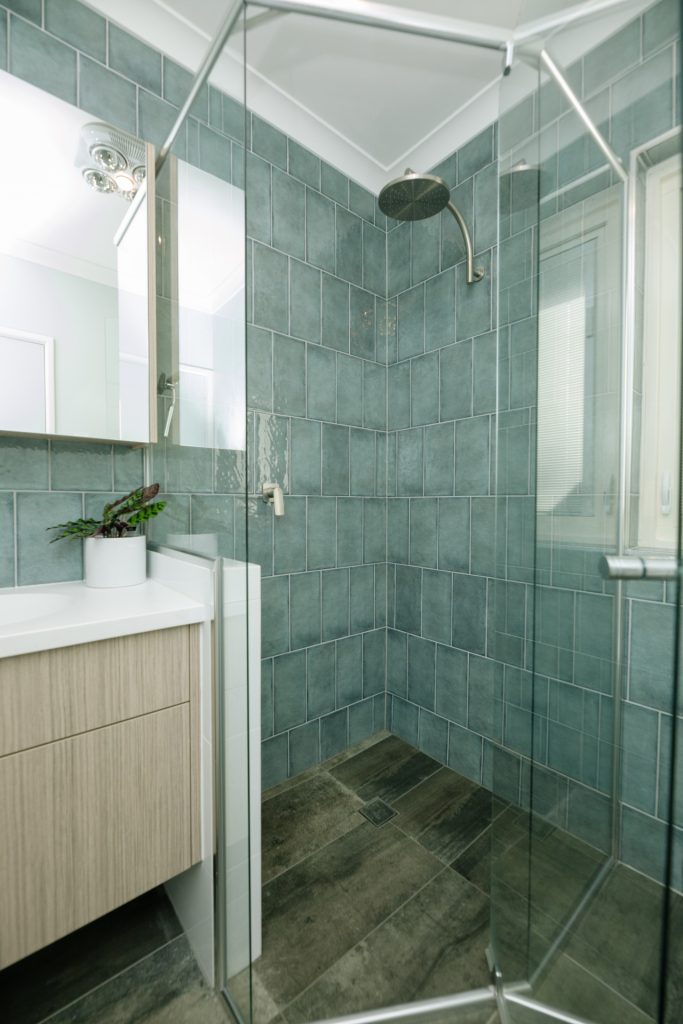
76	213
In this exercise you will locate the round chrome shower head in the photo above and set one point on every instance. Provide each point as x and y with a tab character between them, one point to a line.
414	196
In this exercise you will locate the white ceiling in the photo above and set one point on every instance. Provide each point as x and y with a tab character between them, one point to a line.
369	100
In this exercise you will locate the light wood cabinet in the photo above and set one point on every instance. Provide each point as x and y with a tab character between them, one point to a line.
99	782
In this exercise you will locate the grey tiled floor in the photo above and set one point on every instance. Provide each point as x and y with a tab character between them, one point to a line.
357	916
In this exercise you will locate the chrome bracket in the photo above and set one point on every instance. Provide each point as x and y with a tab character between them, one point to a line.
639	567
509	57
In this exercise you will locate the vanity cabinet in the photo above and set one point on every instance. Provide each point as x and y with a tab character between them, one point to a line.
99	780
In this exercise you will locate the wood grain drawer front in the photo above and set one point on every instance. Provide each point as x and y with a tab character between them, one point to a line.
89	823
54	694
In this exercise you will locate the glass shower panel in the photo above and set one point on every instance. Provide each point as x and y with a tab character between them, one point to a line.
587	465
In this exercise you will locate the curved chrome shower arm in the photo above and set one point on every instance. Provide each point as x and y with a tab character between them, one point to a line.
473	273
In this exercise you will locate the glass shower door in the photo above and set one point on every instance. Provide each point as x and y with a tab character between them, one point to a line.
588	455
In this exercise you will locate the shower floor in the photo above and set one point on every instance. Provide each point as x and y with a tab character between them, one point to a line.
359	915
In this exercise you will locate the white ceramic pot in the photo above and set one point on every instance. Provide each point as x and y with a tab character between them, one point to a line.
115	561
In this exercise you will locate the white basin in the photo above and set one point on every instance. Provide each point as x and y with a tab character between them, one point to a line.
25	607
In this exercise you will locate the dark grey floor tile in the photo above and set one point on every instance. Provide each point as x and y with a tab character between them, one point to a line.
303	819
620	937
479	862
76	964
319	909
432	946
570	987
253	999
388	770
164	988
445	813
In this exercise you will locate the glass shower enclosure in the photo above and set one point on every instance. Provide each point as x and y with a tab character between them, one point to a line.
480	549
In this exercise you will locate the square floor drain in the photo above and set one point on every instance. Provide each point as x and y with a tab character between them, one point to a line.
377	812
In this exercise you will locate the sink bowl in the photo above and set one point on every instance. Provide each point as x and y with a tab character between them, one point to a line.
25	607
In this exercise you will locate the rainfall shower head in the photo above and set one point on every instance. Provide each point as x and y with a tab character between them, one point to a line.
414	196
418	196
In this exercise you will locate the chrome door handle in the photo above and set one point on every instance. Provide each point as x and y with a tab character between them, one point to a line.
635	567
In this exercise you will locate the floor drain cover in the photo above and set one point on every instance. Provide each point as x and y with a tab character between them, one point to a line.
377	812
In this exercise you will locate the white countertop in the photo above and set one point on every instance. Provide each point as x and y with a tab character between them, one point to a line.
64	614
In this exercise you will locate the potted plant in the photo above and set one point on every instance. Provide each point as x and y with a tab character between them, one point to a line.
115	555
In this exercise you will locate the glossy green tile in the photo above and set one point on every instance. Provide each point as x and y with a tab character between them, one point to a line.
271	289
349	392
42	60
398	382
362	323
398	517
333	734
304	597
404	720
411	322
289	690
78	25
31	9
259	533
374	530
177	85
38	560
304	313
424	389
423	531
320	231
233	118
305	457
215	108
289	538
374	662
335	604
408	598
362	598
465	753
454	534
361	721
486	208
440	311
258	198
156	117
469	613
6	540
374	396
303	164
452	242
589	816
304	747
661	24
215	155
426	249
436	606
483	537
230	472
398	258
259	358
3	40
473	301
386	328
321	682
608	60
374	259
349	670
107	95
335	459
433	736
289	204
516	124
472	456
397	663
642	103
335	313
321	537
81	467
361	202
271	450
578	153
188	469
289	376
349	247
651	647
321	383
421	672
362	462
451	683
639	758
334	184
350	531
484	366
134	59
23	464
268	142
485	706
409	465
274	761
475	154
439	473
